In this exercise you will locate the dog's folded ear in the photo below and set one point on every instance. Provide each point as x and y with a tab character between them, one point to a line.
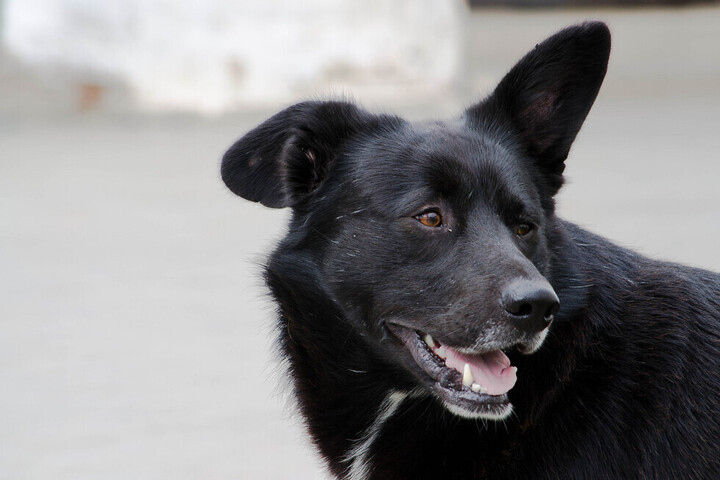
544	99
289	155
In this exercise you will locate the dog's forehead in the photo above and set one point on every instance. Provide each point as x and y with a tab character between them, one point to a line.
426	146
433	158
441	140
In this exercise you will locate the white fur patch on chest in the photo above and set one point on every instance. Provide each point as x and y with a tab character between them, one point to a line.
357	456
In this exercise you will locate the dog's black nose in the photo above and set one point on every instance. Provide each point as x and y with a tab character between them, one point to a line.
530	304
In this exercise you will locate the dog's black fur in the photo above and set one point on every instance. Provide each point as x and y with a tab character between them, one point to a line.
626	384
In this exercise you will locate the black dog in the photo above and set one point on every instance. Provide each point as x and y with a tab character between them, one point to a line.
440	320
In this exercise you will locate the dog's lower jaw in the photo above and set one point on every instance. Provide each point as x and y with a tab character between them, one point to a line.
499	412
464	404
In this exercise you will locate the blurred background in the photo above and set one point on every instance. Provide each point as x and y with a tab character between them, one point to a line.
135	333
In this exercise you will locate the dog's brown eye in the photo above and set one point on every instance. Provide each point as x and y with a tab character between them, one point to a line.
430	219
523	229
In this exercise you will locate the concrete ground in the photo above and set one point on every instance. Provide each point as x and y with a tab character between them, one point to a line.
134	328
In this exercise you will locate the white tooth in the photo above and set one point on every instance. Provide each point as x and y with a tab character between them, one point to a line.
429	340
477	388
467	376
440	352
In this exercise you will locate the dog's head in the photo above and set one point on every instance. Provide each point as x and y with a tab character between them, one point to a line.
431	238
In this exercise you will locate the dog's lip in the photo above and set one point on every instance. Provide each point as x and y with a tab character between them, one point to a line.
426	360
447	382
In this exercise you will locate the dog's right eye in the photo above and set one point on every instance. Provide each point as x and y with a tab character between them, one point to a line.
523	229
431	218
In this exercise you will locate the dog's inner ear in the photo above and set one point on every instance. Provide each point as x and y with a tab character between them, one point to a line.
307	176
304	163
546	97
289	155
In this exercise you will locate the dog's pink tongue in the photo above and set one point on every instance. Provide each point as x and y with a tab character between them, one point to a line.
492	370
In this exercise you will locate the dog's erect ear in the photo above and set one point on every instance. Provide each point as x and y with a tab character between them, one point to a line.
545	98
288	155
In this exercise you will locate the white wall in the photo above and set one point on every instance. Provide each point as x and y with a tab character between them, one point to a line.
216	55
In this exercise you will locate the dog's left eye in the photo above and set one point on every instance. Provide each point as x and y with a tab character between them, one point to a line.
430	218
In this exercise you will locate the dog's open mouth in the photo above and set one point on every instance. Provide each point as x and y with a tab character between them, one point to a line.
470	385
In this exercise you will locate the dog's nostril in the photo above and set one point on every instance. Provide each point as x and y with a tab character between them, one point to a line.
519	309
551	311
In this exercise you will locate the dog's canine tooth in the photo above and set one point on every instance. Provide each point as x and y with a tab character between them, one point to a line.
477	388
467	376
429	340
